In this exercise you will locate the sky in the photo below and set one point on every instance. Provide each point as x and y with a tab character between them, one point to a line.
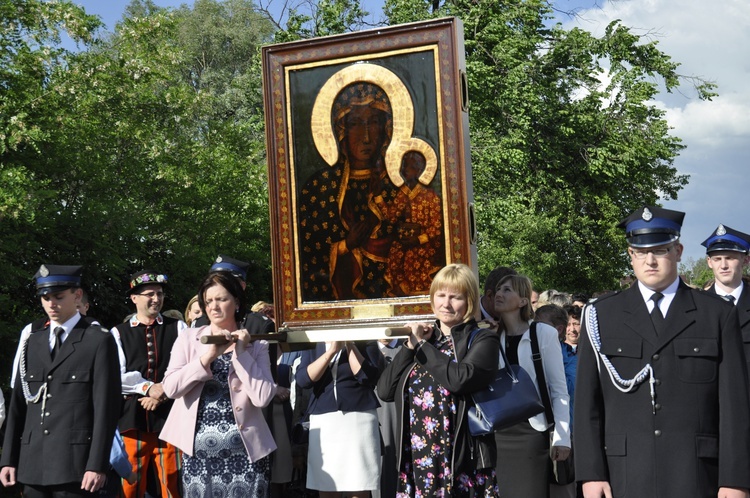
710	40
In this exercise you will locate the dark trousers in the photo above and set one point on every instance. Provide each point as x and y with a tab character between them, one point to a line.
56	491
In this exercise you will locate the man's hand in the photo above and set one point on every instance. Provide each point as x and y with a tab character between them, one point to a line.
156	391
148	403
93	481
8	476
597	489
733	493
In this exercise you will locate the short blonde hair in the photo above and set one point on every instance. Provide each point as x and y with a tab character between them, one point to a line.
522	285
459	278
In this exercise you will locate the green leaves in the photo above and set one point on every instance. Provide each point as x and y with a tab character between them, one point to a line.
146	149
565	138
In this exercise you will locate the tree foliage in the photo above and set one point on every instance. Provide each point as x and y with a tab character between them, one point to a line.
143	150
145	147
565	138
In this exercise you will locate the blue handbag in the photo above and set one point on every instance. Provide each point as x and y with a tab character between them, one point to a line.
510	398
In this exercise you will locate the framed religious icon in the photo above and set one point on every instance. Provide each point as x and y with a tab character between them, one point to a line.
369	173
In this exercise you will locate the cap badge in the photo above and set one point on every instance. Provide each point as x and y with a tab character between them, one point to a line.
43	271
219	260
721	230
647	215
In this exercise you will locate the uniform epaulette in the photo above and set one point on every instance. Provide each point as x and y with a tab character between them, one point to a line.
40	324
594	300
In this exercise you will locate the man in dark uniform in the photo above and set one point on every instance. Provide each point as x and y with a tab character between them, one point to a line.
727	256
63	413
662	404
144	345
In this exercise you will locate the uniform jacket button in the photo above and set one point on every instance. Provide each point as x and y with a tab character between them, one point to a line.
657	433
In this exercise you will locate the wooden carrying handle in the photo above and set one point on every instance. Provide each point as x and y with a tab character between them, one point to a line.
397	331
220	340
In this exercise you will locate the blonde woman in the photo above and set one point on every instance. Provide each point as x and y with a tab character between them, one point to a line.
431	380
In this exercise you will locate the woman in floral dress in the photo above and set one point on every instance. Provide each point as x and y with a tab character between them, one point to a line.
431	380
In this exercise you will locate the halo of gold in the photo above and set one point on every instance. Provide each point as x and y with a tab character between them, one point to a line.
402	147
401	109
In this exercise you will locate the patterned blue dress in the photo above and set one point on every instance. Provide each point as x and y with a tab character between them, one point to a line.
220	467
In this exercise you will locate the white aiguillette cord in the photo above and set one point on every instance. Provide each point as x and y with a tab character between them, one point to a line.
25	384
592	327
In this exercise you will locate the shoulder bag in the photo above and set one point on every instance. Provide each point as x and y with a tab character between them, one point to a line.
510	398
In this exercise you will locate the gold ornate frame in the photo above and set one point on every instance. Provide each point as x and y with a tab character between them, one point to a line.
420	67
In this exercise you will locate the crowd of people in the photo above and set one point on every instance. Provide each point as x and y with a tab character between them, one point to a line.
646	389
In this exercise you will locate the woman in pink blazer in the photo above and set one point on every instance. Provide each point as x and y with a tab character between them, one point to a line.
219	391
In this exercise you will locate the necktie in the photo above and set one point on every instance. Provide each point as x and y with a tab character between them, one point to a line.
58	341
729	298
656	317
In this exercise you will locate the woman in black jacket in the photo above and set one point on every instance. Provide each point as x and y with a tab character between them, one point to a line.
431	380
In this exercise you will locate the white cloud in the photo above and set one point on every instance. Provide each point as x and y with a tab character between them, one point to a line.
710	40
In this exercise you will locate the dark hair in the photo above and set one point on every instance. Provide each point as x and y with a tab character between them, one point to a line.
580	297
231	284
494	277
574	311
552	314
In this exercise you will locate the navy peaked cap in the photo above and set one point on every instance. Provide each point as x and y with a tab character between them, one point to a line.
54	278
725	238
234	266
652	226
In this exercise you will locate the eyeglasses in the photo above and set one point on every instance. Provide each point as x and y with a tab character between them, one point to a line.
658	253
151	295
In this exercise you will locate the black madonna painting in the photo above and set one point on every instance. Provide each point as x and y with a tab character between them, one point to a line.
368	168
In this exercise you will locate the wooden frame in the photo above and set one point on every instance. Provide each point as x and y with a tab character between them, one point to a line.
369	173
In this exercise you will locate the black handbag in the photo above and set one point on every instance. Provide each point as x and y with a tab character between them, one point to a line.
510	398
